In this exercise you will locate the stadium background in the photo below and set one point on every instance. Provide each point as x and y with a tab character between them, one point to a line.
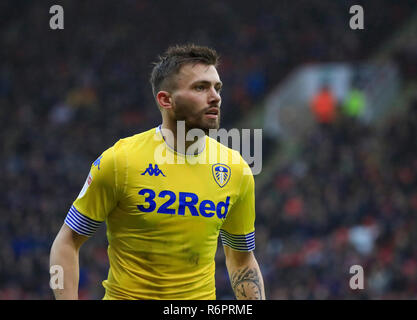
347	195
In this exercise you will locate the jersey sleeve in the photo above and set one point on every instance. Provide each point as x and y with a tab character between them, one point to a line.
97	198
238	230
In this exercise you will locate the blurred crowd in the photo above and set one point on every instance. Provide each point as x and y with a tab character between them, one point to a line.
349	198
67	95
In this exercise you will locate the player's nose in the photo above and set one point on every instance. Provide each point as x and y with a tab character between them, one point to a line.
214	96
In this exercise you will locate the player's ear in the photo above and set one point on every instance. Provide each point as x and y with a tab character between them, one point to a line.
164	99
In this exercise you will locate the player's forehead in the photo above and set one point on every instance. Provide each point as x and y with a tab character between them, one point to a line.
197	72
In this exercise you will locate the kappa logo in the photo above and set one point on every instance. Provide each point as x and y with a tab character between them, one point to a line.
97	162
153	171
221	174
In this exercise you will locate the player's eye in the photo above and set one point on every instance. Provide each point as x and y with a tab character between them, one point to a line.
200	88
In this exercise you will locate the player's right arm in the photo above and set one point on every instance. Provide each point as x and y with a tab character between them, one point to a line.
97	199
64	253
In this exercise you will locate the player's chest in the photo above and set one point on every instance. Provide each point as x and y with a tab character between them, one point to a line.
182	190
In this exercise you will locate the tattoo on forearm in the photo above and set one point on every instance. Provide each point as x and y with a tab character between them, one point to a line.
246	284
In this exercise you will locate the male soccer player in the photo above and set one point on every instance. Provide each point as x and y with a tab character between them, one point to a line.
164	218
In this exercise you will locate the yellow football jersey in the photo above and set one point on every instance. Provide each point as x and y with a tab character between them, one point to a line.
163	219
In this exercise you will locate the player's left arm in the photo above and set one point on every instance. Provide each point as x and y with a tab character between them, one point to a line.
238	238
245	274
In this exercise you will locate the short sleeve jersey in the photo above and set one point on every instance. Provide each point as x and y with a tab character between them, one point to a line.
164	212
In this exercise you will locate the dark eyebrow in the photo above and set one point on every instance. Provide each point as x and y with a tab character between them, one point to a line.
207	83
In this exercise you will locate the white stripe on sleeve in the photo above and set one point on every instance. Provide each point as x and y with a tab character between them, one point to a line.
80	223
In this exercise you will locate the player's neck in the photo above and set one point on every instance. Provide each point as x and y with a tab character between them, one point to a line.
177	138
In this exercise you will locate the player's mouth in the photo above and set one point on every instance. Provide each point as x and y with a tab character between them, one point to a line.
212	113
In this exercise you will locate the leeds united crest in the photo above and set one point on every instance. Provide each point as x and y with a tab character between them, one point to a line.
221	174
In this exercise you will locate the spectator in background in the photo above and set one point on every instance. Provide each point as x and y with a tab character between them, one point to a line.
355	103
323	106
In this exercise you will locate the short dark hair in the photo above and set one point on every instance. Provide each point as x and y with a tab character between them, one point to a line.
174	58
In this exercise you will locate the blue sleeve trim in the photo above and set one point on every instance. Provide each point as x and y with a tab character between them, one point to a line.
245	242
80	223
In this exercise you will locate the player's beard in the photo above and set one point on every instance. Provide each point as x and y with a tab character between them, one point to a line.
195	119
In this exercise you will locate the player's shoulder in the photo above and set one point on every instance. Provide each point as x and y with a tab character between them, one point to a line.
118	151
232	157
133	141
